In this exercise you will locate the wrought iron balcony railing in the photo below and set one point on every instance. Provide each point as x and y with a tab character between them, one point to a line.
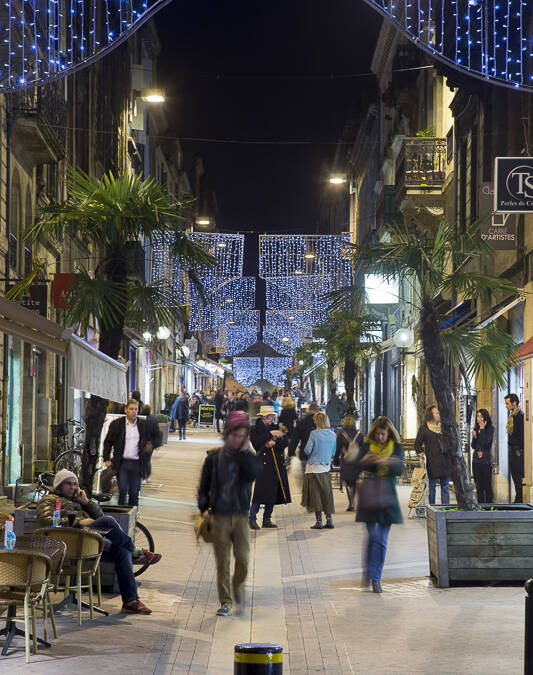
421	164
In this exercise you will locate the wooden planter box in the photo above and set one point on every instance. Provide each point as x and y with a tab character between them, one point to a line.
491	545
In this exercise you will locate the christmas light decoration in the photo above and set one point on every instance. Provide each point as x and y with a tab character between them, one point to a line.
247	370
274	367
41	40
488	39
237	332
281	347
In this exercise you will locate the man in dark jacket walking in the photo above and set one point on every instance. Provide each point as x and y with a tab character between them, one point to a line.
131	444
272	486
224	500
515	435
302	432
219	400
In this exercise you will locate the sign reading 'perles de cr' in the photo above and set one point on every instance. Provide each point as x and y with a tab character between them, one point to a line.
513	179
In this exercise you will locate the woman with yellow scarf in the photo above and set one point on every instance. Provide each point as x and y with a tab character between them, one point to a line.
381	461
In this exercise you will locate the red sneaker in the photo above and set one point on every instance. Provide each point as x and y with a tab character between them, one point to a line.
136	607
147	558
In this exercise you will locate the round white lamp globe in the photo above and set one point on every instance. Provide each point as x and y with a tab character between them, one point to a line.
404	337
163	333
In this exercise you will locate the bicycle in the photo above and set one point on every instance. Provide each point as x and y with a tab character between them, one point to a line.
68	454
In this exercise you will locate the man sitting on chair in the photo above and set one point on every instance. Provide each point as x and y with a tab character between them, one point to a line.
118	547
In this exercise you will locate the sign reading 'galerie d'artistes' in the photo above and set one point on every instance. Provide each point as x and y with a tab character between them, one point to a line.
499	229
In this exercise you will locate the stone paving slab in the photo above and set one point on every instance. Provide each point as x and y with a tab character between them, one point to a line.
304	591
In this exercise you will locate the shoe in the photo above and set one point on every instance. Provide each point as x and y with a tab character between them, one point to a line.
224	609
376	587
147	558
269	524
136	607
317	526
329	524
253	524
350	508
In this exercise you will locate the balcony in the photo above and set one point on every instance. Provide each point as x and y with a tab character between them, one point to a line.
420	176
38	129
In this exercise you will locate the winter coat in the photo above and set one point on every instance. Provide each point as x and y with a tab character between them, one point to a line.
180	409
320	447
335	410
47	506
392	514
226	482
268	488
349	470
301	435
482	442
219	400
432	445
288	419
115	442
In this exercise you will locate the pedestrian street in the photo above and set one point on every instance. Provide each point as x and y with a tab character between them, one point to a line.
303	592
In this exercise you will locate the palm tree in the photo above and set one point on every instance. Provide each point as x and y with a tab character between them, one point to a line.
116	214
437	265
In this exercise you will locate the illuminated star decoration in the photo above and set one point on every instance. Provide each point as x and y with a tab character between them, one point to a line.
42	40
274	367
488	39
247	370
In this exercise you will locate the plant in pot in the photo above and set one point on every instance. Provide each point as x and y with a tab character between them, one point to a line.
435	265
164	426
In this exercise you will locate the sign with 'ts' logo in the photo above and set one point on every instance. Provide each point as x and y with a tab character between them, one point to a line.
513	178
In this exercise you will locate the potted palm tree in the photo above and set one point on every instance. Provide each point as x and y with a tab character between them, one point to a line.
467	542
115	214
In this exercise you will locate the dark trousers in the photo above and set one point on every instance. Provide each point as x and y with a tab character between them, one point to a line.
267	514
182	425
483	479
219	419
129	482
118	548
516	469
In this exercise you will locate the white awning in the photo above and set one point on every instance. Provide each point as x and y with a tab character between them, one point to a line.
96	373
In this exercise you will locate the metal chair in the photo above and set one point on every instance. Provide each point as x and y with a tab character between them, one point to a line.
56	551
24	576
84	550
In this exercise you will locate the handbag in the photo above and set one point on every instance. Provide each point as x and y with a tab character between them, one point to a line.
352	451
204	529
375	494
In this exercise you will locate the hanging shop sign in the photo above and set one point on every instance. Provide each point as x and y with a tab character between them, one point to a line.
499	230
513	178
60	287
206	416
35	298
192	345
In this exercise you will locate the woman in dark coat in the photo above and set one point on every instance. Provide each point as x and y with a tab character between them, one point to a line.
349	470
381	455
430	442
482	439
288	417
272	485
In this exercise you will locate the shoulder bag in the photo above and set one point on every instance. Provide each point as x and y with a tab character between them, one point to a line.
374	494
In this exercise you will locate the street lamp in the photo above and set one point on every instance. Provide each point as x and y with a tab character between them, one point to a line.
337	178
403	338
163	333
285	339
153	95
147	336
203	220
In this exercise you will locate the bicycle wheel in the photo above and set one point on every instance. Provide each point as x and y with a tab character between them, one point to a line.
71	460
143	539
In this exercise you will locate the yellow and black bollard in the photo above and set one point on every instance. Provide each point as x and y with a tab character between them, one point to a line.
258	659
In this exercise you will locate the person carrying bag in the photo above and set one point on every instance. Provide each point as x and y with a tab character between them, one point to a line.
381	461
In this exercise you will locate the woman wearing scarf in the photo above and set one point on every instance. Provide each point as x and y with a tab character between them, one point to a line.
430	443
482	439
381	457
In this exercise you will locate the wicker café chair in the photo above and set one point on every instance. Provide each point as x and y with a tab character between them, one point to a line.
55	550
82	559
24	576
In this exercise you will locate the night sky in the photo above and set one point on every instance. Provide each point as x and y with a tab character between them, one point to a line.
208	48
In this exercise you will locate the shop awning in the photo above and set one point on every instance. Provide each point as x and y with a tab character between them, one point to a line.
199	369
95	372
525	351
24	324
318	364
499	309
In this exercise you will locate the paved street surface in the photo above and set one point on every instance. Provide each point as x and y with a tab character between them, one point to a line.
303	592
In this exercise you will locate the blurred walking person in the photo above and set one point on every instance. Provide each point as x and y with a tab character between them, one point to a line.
219	400
224	500
180	412
515	435
349	441
482	439
381	461
272	486
288	417
429	443
317	494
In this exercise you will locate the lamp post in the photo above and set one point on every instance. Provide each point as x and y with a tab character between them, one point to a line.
337	179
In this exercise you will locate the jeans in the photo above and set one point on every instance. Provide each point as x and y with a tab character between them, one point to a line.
129	482
483	479
182	426
118	548
228	531
267	515
376	550
444	490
